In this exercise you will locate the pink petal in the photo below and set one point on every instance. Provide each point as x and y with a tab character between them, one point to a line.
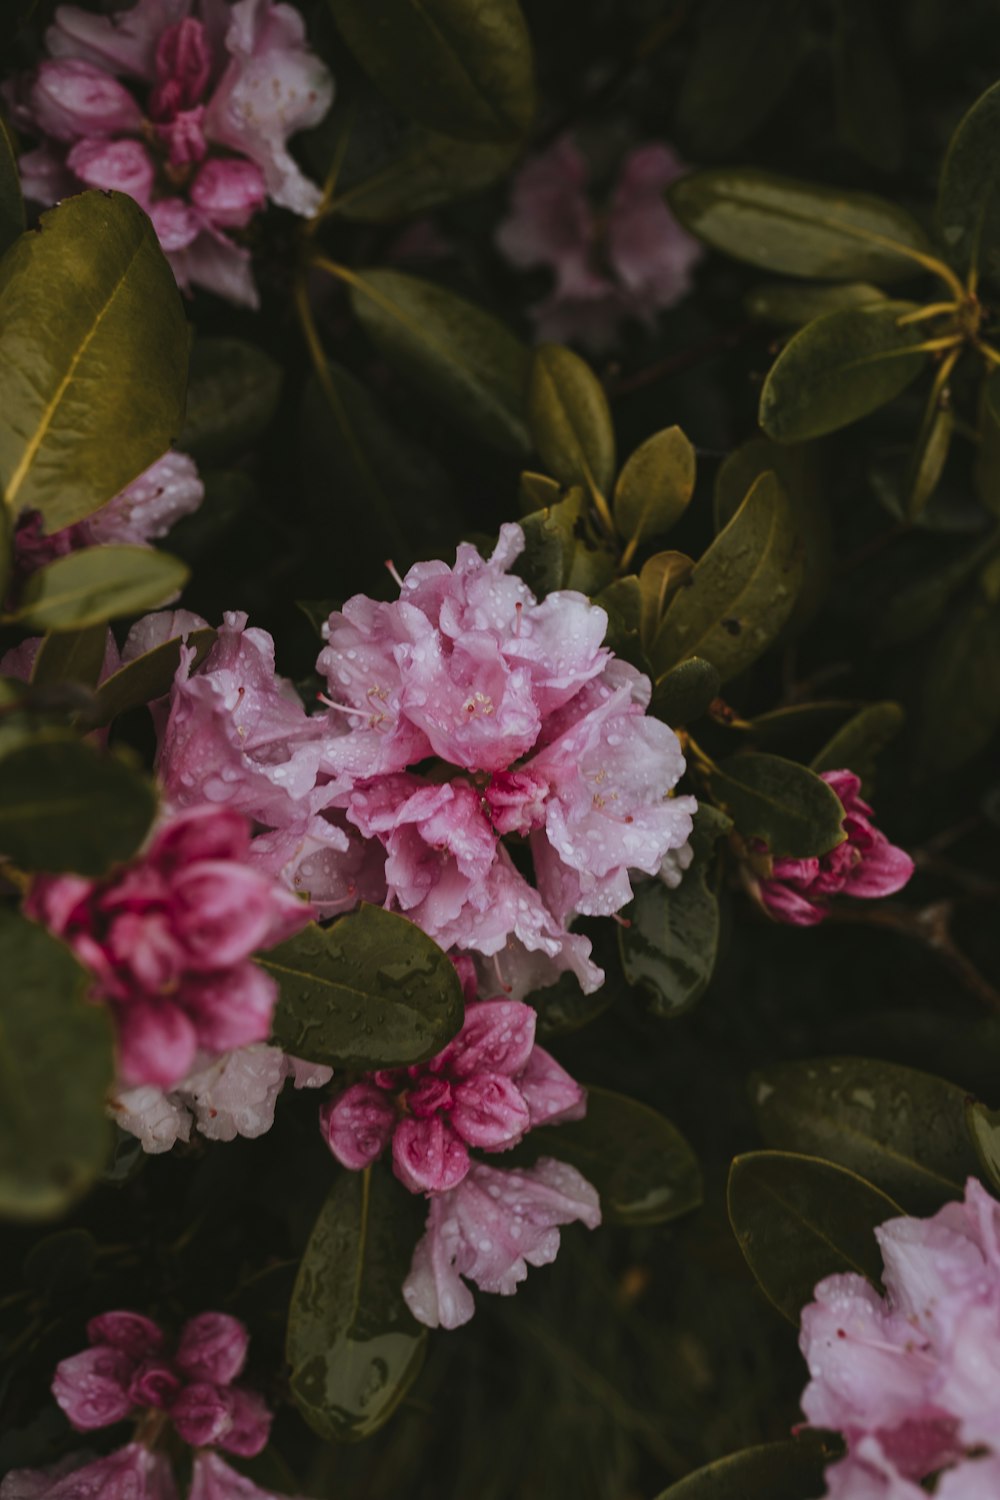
213	1479
490	1112
130	1332
72	98
212	1347
358	1125
131	1473
551	1095
496	1037
92	1387
123	165
427	1156
229	191
150	507
251	1424
201	1414
156	1042
232	1009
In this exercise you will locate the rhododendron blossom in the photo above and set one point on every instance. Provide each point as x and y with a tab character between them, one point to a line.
488	1230
168	939
187	106
629	262
799	891
910	1377
486	1089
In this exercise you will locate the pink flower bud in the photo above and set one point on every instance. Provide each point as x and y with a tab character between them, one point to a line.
427	1155
93	1387
212	1347
250	1423
201	1414
125	166
130	1332
183	67
490	1112
72	98
357	1127
154	1384
229	191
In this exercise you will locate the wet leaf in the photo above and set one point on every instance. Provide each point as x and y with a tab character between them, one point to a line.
418	169
685	692
72	656
968	205
558	553
98	584
788	806
655	486
570	420
857	744
983	1126
147	677
660	578
794	303
791	1470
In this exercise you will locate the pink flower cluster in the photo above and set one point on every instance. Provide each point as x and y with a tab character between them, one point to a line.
187	106
460	714
629	262
486	1089
129	1372
910	1378
799	891
168	939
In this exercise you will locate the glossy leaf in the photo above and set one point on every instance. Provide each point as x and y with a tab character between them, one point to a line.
987	470
794	303
11	203
929	454
370	991
72	656
799	228
968	205
790	1470
66	806
902	1130
459	356
97	584
671	944
838	369
655	486
352	1343
857	744
685	692
558	554
622	602
95	357
798	1219
147	677
233	393
52	1143
640	1164
660	578
570	420
463	69
788	806
741	591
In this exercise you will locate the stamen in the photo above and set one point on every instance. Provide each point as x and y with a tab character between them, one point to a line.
393	570
519	610
344	708
499	973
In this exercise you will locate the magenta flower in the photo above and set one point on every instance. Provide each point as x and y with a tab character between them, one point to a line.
187	106
629	261
489	1229
865	864
910	1378
130	1473
486	1089
168	939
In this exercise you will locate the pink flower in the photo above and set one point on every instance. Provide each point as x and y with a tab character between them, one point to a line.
213	1479
130	1473
489	1229
186	105
168	939
486	1089
629	263
909	1377
865	864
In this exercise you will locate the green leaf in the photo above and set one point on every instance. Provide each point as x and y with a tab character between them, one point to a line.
685	692
370	991
922	601
56	1064
741	591
929	453
570	420
659	579
870	118
968	206
415	170
73	656
794	303
984	1131
459	356
233	393
95	357
98	584
788	806
640	1164
902	1130
799	228
12	220
463	69
537	492
858	743
352	1343
66	806
622	601
671	943
798	1219
960	700
838	369
790	1470
147	677
655	486
559	555
987	470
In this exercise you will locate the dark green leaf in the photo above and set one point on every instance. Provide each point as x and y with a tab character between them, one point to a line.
418	170
569	419
984	1132
798	1219
741	591
987	470
920	602
464	69
147	677
788	806
95	357
655	486
870	118
660	578
353	1346
960	702
53	1139
685	692
794	303
73	656
640	1164
537	492
459	356
66	806
968	206
799	228
838	369
558	554
791	1470
902	1130
671	943
736	76
622	601
11	202
370	991
858	743
98	584
233	393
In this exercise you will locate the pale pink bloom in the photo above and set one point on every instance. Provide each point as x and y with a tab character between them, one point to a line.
486	1090
131	1473
865	864
144	511
169	938
213	1479
627	261
489	1229
187	106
